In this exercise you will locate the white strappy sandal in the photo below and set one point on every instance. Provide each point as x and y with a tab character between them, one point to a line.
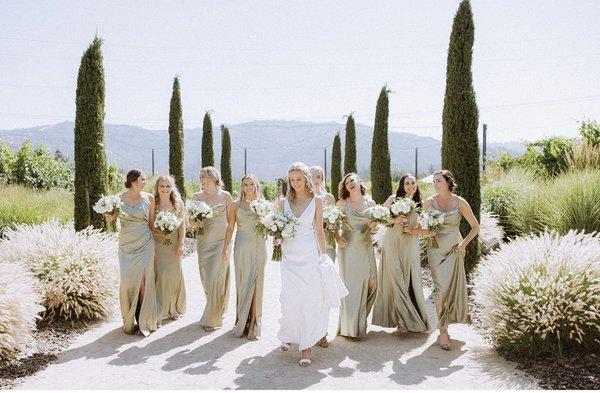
285	347
304	362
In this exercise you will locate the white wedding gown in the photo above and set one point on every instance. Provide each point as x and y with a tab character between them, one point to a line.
309	285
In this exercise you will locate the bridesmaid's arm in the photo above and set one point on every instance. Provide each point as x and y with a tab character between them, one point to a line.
319	225
339	238
467	213
231	211
152	215
425	206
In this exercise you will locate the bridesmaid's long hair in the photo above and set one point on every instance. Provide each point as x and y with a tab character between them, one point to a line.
317	168
343	192
213	173
300	166
256	186
174	196
400	193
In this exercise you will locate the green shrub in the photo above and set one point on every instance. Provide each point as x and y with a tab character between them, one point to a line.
21	205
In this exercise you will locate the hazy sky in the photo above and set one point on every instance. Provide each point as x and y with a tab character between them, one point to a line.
536	63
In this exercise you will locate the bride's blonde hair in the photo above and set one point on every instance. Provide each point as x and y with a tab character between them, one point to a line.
301	167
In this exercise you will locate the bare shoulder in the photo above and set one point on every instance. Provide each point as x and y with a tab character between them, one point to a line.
461	201
318	200
427	203
227	196
330	198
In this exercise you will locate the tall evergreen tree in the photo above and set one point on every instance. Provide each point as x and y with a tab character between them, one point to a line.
226	158
176	138
336	164
91	176
208	155
460	143
381	177
350	146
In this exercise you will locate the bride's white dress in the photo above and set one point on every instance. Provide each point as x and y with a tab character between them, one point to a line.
309	285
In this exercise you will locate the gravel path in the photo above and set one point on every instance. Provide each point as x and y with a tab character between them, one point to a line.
181	355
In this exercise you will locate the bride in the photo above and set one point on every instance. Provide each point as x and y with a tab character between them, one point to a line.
309	282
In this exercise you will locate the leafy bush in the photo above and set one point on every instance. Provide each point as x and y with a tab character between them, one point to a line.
35	168
19	308
590	132
77	272
540	294
21	205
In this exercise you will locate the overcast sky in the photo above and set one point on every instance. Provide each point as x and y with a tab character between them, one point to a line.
536	63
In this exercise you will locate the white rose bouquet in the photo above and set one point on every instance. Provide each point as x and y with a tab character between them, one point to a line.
109	204
197	210
378	213
167	222
431	221
403	206
334	220
278	225
262	207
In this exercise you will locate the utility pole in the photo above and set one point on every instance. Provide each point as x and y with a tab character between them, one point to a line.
416	161
484	152
245	162
325	166
152	161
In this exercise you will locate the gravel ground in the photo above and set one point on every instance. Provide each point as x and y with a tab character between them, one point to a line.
575	371
47	342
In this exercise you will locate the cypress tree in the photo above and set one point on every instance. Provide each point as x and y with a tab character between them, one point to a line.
226	158
336	164
460	144
176	138
350	146
91	176
208	156
381	177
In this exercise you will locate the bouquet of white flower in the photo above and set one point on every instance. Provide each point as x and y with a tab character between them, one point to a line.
378	213
431	221
278	225
197	210
262	207
167	222
108	204
403	206
334	220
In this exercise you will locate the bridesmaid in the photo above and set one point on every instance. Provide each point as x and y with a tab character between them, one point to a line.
214	271
137	293
356	259
447	260
250	257
318	180
170	285
400	301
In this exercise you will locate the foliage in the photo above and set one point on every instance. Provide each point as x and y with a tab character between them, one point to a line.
350	147
208	155
336	164
226	158
381	177
176	138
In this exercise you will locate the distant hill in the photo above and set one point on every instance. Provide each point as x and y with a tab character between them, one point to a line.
271	146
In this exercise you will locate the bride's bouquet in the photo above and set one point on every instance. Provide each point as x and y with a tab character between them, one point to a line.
197	210
378	213
334	220
278	225
431	221
167	222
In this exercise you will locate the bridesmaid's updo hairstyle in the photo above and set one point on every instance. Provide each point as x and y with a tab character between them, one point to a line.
132	176
174	197
301	167
256	186
213	173
343	192
449	177
400	193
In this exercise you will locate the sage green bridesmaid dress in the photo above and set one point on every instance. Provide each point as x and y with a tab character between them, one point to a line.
136	261
250	257
170	285
400	300
448	271
329	246
214	272
357	268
